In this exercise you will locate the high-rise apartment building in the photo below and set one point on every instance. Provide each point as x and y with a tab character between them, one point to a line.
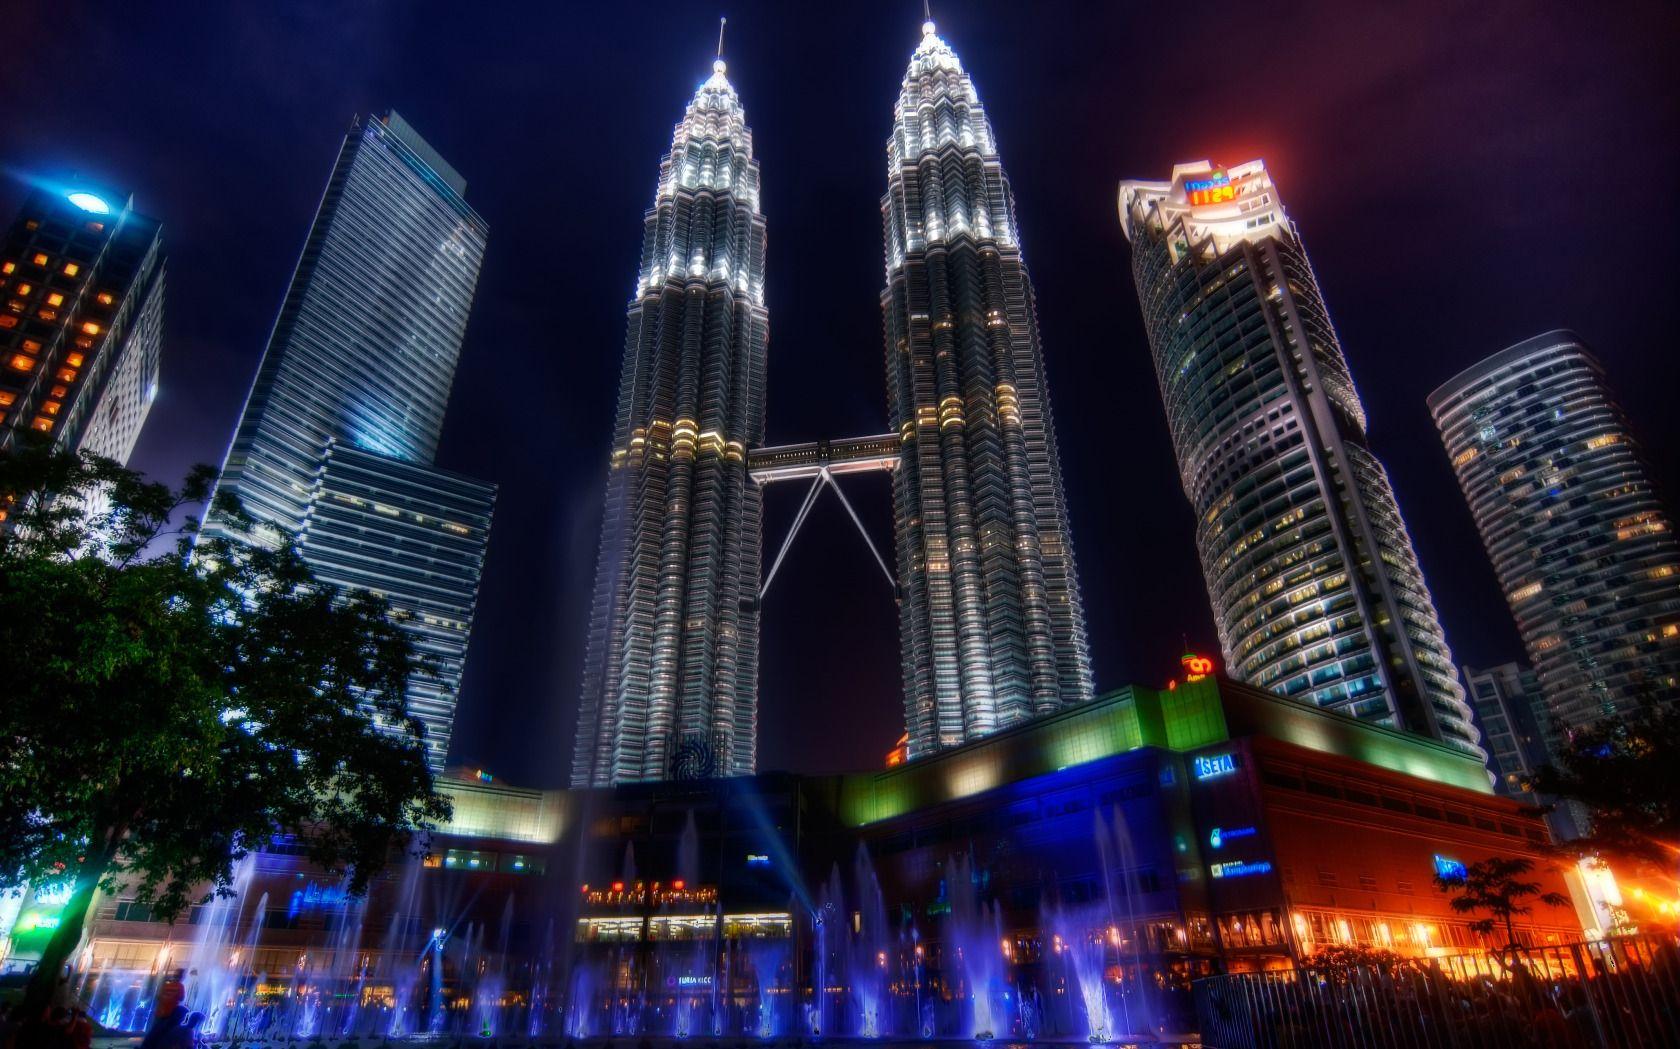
1512	717
336	440
1315	587
990	620
81	319
670	686
1583	549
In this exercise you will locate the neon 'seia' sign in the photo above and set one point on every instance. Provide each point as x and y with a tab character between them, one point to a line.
1213	766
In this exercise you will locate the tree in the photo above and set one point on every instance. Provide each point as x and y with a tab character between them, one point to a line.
1626	772
1493	886
170	710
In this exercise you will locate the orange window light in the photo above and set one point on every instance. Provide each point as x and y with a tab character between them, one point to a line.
8	267
8	321
43	424
6	398
25	289
51	407
67	375
41	258
90	327
83	342
22	362
48	315
71	269
106	298
32	345
74	360
60	391
55	299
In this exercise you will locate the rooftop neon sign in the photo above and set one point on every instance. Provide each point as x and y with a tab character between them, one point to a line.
1214	190
1240	868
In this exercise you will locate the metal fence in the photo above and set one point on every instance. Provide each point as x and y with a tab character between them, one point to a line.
1602	994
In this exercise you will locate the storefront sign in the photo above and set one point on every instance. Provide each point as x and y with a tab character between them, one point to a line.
1240	868
1215	765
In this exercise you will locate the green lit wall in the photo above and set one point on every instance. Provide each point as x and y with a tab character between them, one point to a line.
1194	715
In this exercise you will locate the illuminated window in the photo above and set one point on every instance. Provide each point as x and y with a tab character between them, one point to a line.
48	315
74	360
55	299
66	375
32	345
22	362
84	342
90	327
42	423
60	391
9	267
8	321
25	289
6	398
71	269
51	407
106	298
41	258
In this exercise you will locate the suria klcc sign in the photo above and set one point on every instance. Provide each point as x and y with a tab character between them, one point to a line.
1216	189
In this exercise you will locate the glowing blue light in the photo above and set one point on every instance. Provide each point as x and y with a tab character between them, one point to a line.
1240	869
1215	766
89	202
1446	867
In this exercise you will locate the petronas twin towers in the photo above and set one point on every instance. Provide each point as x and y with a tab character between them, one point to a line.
991	626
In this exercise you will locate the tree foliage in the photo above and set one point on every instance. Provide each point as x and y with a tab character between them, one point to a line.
171	709
1495	887
1626	772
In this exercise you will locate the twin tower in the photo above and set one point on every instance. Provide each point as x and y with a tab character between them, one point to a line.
991	626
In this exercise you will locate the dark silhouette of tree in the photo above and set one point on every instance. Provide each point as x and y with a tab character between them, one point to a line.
1495	887
171	709
1626	773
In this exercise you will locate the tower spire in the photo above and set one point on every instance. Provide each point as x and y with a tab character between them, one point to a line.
927	17
718	65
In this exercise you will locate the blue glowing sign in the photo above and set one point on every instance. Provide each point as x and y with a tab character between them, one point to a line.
694	981
757	859
1215	766
316	898
1448	868
1240	868
1218	836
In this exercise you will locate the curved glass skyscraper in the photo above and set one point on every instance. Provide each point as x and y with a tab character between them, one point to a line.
990	621
1584	551
1315	587
670	687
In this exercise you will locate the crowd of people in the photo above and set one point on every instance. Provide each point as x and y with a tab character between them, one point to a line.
70	1027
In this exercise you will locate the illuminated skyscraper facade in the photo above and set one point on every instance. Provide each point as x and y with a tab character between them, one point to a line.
1584	551
991	625
335	444
81	321
1315	587
670	687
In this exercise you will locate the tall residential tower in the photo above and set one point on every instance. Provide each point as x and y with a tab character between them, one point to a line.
81	321
990	622
1584	551
670	686
336	440
1316	590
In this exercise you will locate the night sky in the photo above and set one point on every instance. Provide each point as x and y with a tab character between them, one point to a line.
1464	177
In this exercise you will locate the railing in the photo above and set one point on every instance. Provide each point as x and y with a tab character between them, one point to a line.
1602	993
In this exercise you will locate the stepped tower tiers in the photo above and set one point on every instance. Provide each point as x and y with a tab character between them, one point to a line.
991	625
670	687
1315	587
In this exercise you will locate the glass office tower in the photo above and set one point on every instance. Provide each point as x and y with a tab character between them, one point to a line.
670	685
1316	590
81	321
991	625
1584	550
336	441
